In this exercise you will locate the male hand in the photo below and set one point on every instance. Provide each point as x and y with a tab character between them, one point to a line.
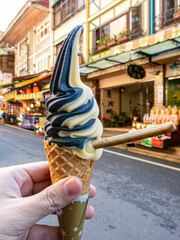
26	196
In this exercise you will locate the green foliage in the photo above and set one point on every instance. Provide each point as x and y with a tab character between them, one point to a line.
100	42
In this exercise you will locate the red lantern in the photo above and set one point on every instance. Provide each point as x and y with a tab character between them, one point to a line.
36	89
29	90
23	92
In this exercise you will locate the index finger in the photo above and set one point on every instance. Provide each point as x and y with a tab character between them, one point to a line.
38	171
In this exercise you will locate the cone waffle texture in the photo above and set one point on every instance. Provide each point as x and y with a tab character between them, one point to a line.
63	163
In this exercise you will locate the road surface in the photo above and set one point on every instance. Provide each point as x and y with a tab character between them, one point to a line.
138	197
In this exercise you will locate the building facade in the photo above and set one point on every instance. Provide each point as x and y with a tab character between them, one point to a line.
123	33
30	34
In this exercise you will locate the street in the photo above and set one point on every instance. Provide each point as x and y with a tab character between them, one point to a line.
138	197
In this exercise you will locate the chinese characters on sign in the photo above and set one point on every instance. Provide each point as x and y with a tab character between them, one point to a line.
136	71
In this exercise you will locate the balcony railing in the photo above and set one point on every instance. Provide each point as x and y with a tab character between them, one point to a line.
167	18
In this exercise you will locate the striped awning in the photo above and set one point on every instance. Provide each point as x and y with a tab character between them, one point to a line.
33	80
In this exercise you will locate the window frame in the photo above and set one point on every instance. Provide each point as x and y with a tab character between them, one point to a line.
60	4
130	17
41	29
94	34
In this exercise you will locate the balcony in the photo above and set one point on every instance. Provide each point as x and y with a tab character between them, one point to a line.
167	18
125	36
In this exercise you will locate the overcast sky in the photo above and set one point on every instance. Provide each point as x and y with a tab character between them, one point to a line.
9	9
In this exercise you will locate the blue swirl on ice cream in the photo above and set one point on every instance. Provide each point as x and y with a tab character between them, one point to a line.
72	116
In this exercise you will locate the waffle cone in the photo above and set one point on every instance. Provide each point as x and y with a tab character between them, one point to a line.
63	163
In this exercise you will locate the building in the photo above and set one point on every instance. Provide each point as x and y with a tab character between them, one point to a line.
124	33
65	16
30	34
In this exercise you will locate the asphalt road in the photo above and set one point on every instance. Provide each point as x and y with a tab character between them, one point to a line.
138	197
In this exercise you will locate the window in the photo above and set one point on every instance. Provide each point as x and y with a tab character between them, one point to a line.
102	34
43	32
43	63
114	28
23	48
65	8
119	25
136	23
135	17
168	11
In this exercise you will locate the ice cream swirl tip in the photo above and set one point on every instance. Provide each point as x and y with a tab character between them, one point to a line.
72	115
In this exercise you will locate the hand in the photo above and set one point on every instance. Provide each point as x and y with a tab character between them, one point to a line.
26	196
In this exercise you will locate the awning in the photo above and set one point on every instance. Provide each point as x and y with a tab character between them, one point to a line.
149	51
31	14
26	82
110	61
33	80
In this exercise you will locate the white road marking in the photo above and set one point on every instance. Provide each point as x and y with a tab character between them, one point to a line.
142	160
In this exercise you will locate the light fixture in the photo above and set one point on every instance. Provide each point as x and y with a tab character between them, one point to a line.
38	104
32	105
28	108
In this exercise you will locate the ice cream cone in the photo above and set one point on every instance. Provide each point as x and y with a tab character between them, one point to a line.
63	163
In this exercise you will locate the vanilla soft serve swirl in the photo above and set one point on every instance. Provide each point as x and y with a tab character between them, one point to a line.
72	116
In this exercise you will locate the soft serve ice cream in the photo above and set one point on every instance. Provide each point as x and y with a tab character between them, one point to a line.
72	116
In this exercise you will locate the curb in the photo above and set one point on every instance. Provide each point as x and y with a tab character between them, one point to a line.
150	153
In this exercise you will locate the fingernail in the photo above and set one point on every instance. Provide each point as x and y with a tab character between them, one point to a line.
73	186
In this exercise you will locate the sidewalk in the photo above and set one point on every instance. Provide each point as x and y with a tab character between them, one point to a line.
170	154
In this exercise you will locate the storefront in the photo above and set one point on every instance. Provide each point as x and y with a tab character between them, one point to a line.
25	105
128	96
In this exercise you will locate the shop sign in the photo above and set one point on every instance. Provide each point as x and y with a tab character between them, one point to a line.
173	70
136	71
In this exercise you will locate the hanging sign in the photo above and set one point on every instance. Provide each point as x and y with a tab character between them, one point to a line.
136	71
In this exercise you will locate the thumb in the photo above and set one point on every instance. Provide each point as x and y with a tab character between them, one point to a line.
51	199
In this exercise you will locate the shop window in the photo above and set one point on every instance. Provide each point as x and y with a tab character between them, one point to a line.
43	32
65	8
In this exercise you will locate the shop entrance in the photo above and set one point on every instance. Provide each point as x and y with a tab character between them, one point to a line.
136	100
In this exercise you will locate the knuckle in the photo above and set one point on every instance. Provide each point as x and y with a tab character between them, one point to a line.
51	199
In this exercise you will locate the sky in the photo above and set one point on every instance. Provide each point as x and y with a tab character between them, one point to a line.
9	9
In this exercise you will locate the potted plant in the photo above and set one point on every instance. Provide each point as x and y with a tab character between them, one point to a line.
101	45
123	37
176	14
112	41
